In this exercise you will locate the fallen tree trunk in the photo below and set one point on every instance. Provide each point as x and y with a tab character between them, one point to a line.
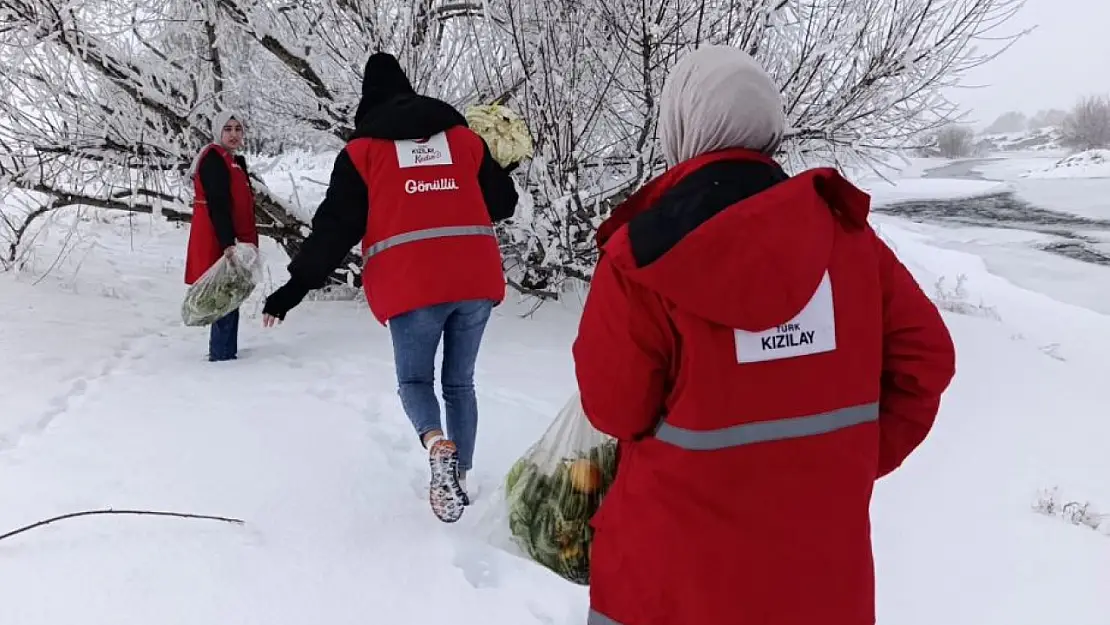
274	220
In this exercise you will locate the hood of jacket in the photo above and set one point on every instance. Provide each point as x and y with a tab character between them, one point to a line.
408	117
391	109
730	238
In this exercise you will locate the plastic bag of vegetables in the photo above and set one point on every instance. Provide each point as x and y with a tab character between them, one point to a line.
504	131
224	287
553	491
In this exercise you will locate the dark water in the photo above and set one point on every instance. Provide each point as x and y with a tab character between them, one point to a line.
1080	237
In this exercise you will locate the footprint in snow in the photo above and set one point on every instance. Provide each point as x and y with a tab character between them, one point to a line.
323	392
477	564
540	613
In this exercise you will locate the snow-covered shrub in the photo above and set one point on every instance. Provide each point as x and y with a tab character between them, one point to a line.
1049	502
956	300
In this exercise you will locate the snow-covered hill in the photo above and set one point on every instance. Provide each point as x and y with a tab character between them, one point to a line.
1041	139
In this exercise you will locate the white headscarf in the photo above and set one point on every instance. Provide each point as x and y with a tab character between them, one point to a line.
718	97
218	122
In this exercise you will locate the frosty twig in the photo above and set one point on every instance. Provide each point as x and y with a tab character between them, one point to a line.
72	515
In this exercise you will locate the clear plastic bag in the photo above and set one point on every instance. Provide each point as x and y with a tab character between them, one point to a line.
224	287
553	491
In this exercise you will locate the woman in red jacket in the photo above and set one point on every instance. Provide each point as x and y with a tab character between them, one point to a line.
223	213
762	357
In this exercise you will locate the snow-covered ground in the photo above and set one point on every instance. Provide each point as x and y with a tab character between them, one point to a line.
109	402
1014	255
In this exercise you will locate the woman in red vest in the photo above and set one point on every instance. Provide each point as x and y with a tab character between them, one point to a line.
419	192
762	357
223	213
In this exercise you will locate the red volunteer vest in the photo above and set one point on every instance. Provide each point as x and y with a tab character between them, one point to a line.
204	247
429	239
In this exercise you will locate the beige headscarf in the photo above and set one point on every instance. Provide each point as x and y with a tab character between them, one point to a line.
218	122
718	97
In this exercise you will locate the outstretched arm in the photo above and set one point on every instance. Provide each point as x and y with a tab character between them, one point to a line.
339	223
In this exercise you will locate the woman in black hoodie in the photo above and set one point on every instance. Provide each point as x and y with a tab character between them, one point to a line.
432	266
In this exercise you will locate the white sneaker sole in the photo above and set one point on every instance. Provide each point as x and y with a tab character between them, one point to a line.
445	496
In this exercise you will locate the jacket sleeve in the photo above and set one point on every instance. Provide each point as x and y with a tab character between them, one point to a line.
622	355
216	181
497	187
919	362
339	223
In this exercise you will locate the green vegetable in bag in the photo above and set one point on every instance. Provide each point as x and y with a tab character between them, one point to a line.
223	288
556	488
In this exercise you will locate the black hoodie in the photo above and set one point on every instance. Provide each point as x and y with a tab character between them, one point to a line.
215	179
389	109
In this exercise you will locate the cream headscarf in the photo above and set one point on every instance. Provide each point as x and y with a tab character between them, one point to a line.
718	97
218	122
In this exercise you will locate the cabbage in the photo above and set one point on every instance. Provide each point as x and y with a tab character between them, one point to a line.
503	130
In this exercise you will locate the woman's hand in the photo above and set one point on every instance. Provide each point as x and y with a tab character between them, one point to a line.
281	301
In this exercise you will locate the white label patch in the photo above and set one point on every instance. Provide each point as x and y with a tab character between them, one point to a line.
424	152
812	331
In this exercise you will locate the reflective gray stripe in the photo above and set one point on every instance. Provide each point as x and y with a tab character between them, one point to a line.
429	233
766	431
597	618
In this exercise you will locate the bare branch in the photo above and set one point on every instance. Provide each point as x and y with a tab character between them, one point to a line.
74	515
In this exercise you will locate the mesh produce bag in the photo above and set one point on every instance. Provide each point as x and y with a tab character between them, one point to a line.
224	287
504	131
553	491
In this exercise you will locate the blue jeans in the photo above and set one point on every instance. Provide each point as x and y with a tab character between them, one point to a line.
416	337
223	339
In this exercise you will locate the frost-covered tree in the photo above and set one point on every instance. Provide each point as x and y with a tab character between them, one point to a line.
110	99
106	102
1047	118
859	77
955	141
1088	125
1012	121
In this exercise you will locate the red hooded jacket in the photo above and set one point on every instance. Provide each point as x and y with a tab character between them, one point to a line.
763	358
204	247
429	236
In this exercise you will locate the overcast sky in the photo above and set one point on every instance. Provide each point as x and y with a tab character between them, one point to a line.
1066	56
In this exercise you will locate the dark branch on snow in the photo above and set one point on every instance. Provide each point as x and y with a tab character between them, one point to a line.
73	515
